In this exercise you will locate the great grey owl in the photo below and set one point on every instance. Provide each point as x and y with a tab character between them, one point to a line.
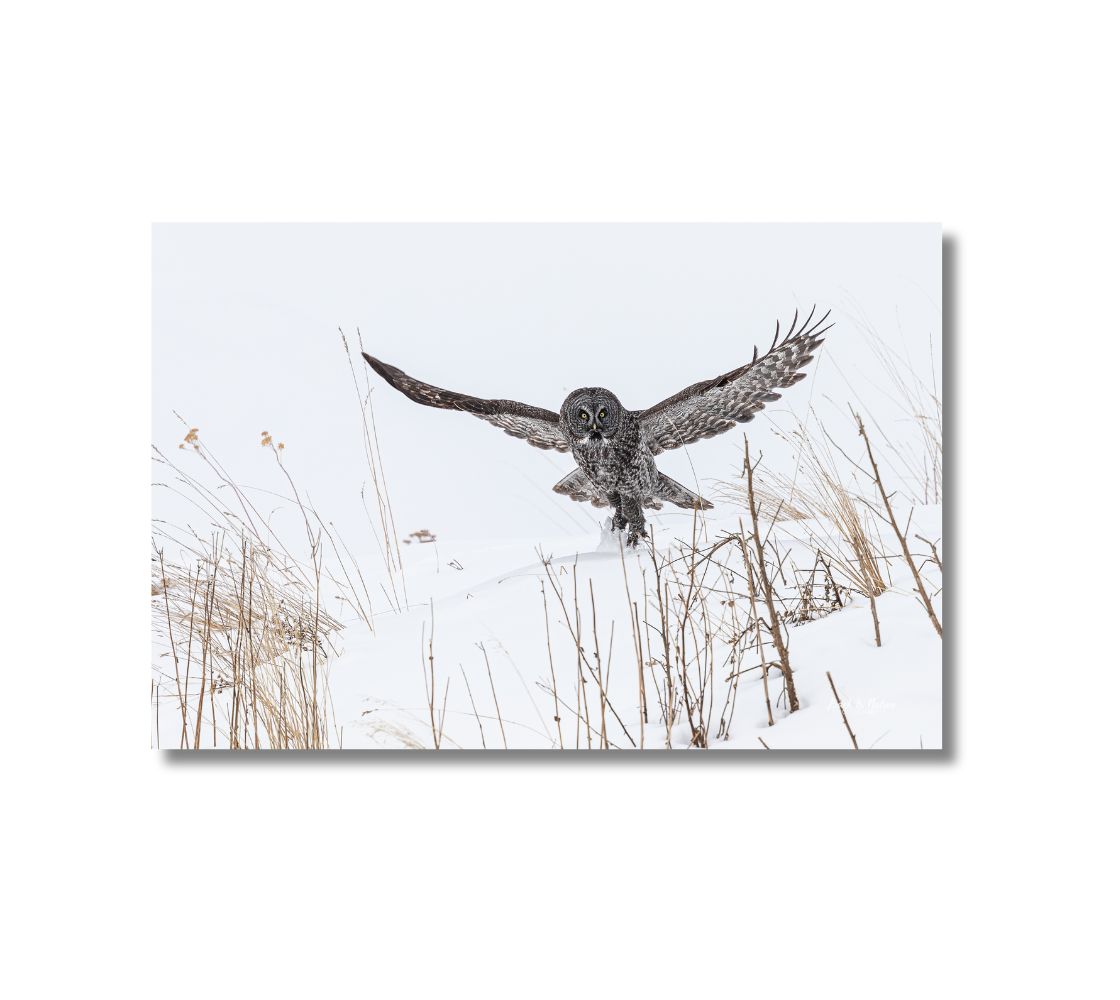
614	447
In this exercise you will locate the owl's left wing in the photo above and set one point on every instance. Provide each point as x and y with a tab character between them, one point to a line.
541	428
709	408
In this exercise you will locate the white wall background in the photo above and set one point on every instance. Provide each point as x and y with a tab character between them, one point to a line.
808	878
245	338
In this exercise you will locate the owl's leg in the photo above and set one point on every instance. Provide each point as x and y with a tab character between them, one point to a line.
632	515
618	520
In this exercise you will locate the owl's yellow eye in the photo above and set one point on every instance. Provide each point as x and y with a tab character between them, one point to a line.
602	413
583	415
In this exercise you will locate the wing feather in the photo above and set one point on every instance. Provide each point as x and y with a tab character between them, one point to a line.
577	486
540	428
709	408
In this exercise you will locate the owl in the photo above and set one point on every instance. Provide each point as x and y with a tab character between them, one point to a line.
615	448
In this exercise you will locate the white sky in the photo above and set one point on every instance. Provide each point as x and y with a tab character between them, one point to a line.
246	318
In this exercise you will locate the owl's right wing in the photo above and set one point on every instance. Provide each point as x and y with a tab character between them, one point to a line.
712	407
541	428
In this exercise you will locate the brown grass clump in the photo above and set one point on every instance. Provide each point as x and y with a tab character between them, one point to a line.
832	512
249	646
242	634
243	638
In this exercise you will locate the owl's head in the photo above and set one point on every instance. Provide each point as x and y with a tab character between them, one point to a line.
591	414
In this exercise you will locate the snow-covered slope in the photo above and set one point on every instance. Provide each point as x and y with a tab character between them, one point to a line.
477	614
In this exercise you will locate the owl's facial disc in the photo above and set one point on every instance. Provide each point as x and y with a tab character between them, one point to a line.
592	415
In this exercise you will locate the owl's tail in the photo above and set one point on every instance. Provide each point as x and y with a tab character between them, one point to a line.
672	491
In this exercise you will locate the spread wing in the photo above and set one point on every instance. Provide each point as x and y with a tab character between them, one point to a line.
541	428
709	408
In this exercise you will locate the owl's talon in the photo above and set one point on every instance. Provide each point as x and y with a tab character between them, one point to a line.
635	534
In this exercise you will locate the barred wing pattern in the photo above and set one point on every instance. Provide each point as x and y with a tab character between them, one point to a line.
709	408
577	486
541	428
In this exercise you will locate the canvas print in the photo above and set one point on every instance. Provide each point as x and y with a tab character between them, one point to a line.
547	487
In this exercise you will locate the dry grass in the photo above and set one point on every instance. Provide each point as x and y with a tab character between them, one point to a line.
243	635
921	466
588	663
838	502
249	647
766	585
901	535
911	398
245	617
843	714
707	614
831	509
385	529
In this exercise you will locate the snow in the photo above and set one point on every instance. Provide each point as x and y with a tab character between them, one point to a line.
891	694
